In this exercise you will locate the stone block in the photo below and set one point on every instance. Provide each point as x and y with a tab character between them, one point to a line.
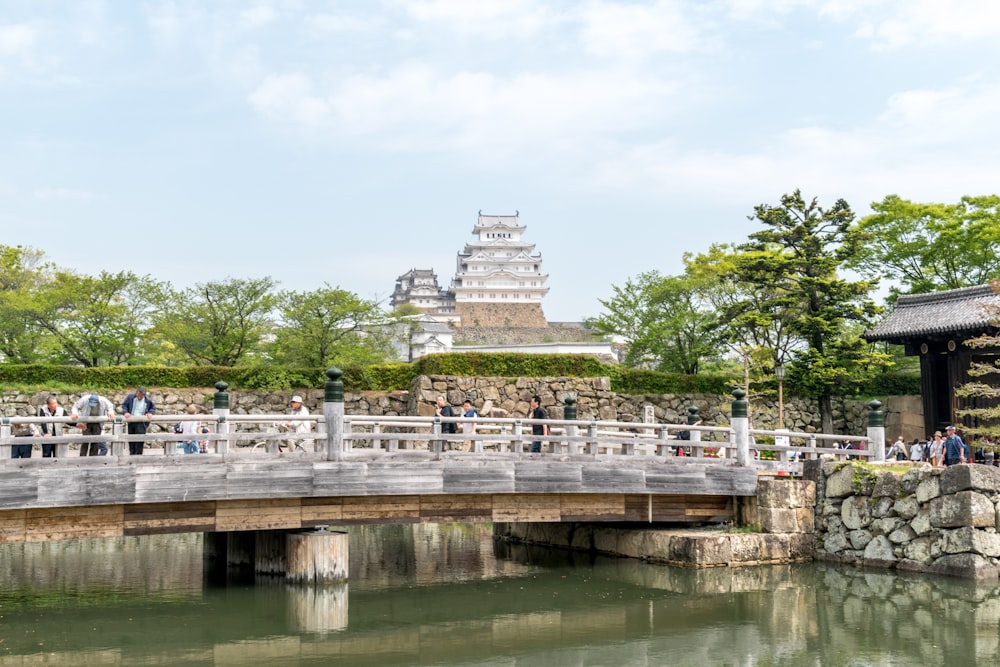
902	535
840	484
859	539
967	565
906	508
854	512
786	493
928	489
886	485
918	550
965	508
880	552
883	507
970	477
921	523
835	543
886	525
969	539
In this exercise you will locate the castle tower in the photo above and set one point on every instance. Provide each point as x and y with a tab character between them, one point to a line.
498	280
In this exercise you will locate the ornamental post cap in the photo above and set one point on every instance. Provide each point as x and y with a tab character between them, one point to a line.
334	373
221	386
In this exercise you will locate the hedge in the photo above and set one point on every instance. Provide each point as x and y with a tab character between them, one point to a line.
399	376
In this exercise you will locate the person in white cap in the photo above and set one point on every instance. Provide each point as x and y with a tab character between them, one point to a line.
298	425
91	406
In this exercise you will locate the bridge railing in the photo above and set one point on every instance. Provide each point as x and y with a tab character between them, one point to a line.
273	434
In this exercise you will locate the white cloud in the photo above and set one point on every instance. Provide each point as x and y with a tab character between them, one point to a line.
63	194
339	23
17	40
258	16
638	30
417	107
918	22
491	19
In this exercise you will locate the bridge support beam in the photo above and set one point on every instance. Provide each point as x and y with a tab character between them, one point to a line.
308	557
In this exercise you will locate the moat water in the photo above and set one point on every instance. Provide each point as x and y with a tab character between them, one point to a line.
451	595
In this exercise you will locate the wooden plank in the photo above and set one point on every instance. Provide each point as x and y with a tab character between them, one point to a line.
160	484
600	479
340	478
592	507
382	507
62	523
270	514
155	518
479	477
547	477
445	509
13	526
17	489
322	511
526	507
403	478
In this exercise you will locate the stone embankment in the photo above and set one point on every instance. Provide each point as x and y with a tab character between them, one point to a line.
915	518
780	522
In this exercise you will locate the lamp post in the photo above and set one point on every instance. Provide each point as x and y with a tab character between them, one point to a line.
779	372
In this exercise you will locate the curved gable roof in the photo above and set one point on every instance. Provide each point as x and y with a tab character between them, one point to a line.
967	310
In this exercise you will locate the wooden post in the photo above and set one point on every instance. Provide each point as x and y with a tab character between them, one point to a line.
436	444
569	414
117	444
220	408
592	439
317	557
876	431
663	443
376	440
270	551
516	444
741	428
240	549
5	436
333	412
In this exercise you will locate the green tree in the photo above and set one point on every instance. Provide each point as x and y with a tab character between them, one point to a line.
22	275
331	325
980	397
928	247
793	265
756	332
94	320
665	322
220	323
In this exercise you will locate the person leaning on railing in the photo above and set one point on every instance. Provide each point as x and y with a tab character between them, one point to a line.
50	409
92	405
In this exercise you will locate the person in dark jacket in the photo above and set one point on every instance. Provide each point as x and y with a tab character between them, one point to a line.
137	404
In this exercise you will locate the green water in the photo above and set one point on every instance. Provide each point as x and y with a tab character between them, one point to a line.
448	595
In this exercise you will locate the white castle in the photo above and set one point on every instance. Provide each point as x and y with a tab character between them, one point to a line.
498	280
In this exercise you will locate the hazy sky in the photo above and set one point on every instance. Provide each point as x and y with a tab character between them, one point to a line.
347	142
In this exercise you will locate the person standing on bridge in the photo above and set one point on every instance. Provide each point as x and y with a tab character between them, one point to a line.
538	412
137	404
469	427
442	409
50	409
298	425
91	406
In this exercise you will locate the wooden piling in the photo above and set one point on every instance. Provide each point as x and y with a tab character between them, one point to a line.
317	557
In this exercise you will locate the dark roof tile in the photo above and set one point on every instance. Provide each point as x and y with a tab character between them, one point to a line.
967	309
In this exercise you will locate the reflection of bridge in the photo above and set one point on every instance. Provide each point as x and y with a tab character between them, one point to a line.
390	470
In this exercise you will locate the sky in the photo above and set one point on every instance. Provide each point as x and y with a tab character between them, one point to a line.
345	143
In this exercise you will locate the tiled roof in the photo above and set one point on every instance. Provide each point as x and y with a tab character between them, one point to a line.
968	309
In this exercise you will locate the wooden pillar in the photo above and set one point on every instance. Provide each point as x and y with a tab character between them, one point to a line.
270	550
240	549
876	431
741	428
317	557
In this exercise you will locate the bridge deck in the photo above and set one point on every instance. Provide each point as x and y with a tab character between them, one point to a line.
99	496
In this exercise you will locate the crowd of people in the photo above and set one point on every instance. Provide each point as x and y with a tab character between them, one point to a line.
944	449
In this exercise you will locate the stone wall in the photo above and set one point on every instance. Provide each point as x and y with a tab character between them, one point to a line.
780	517
520	335
909	517
476	314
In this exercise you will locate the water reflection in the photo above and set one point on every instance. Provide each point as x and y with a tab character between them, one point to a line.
449	595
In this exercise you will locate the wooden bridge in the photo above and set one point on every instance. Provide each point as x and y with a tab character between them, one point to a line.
359	470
